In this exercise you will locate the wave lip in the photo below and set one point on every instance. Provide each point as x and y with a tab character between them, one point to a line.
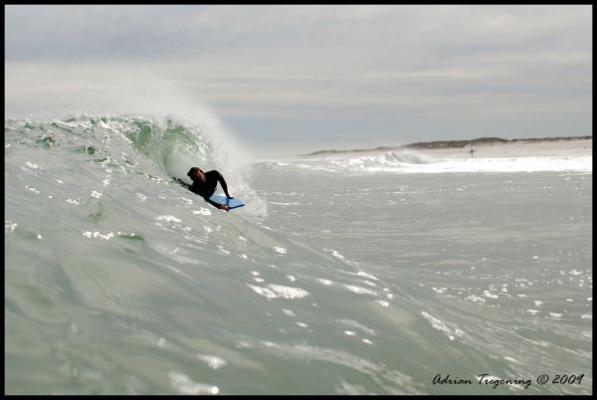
166	143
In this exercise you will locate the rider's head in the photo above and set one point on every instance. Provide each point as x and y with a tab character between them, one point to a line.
194	173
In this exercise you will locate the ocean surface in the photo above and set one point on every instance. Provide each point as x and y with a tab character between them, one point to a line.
389	273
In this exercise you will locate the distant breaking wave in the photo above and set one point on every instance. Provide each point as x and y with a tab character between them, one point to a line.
407	161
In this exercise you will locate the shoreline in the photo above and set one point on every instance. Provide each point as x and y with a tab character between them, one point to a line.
484	147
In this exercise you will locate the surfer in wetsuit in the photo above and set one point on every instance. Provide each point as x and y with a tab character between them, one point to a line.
204	184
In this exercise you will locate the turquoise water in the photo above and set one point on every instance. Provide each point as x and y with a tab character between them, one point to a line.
330	281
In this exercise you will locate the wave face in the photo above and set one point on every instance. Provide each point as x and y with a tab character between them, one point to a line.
131	146
412	162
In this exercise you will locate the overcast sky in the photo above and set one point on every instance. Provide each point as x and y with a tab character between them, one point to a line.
302	78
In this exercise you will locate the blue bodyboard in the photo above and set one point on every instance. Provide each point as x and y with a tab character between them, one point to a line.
231	203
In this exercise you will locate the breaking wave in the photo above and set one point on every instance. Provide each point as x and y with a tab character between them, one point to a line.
408	162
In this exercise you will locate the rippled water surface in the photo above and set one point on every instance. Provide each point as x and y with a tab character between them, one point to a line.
118	281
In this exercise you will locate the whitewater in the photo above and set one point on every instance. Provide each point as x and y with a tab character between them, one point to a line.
355	274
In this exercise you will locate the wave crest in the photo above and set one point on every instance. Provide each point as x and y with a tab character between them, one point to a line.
169	145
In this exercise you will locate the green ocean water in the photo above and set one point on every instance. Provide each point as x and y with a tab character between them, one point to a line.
368	275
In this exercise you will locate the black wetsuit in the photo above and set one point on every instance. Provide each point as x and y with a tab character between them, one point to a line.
206	189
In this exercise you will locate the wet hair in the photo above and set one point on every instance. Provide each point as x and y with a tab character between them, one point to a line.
192	171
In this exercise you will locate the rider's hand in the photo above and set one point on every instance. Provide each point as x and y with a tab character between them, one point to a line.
224	207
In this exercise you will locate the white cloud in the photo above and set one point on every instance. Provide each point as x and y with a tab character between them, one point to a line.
501	63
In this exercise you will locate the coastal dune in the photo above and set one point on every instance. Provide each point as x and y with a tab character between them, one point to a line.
576	146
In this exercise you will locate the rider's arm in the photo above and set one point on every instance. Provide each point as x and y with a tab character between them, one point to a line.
223	184
181	182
